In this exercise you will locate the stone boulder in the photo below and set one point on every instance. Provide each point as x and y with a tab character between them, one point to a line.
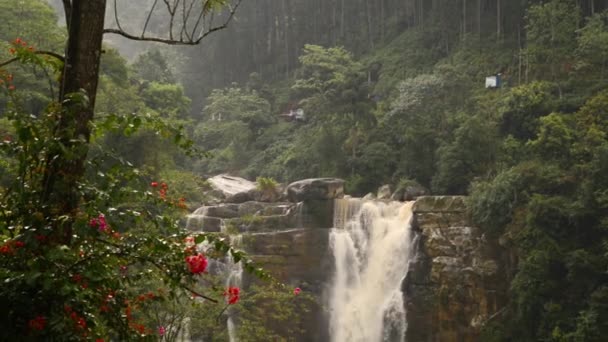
369	197
384	192
443	204
315	189
233	189
409	193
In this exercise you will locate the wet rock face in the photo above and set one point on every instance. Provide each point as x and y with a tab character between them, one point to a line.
315	189
232	189
457	282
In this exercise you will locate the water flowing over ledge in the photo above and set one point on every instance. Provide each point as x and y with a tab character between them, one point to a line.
372	245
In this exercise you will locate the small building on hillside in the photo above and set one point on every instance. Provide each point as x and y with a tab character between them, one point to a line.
494	82
295	115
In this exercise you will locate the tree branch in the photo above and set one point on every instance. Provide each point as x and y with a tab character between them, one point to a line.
185	38
143	32
47	53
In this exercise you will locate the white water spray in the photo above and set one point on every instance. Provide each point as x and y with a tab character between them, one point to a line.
372	247
234	278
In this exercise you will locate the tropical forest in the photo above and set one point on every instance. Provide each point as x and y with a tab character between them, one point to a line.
304	170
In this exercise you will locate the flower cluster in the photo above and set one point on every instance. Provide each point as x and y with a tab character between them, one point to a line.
79	321
132	305
37	323
163	189
102	225
106	302
162	193
9	247
197	263
232	295
99	223
20	44
6	79
77	278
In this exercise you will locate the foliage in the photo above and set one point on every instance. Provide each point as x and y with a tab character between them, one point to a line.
266	184
152	66
592	51
274	314
77	285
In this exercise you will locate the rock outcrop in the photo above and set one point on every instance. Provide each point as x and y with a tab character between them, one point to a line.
384	192
315	189
457	281
232	189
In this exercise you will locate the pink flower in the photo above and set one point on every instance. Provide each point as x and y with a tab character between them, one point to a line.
103	225
197	263
161	330
297	291
99	222
232	295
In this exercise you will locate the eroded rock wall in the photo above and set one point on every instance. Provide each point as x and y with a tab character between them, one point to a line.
457	282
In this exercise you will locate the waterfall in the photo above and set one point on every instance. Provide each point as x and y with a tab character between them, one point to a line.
231	272
234	278
372	247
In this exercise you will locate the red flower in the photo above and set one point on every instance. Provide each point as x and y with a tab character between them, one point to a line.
154	184
232	294
37	323
297	291
6	249
77	278
82	324
19	244
197	263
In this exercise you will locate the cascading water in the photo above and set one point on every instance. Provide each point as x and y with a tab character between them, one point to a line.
372	247
234	278
232	272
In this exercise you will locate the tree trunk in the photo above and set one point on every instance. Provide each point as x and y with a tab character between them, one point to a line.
342	19
368	11
65	165
498	20
464	19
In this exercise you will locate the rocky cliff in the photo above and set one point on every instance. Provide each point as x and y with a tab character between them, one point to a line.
454	286
457	282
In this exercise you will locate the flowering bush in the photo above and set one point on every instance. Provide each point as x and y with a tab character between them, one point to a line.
90	274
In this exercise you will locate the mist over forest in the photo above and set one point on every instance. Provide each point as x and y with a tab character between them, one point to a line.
502	102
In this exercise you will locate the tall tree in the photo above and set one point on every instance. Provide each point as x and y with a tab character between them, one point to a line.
85	25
